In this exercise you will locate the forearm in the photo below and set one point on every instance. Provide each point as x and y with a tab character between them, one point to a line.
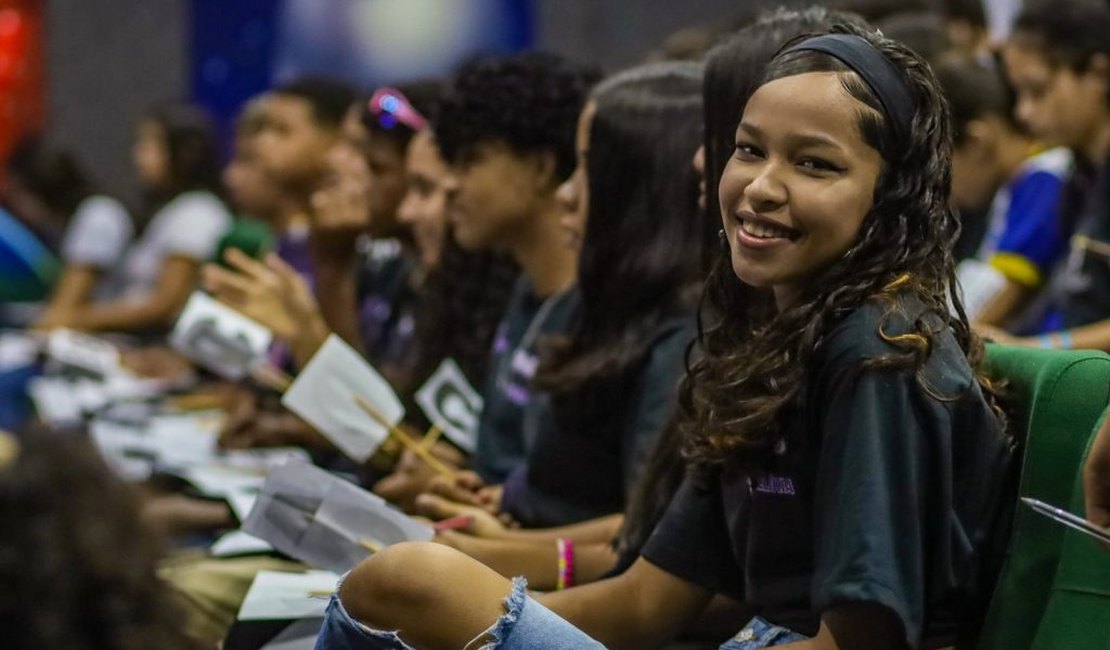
308	339
1095	336
1003	305
336	291
120	316
642	608
73	291
594	531
536	561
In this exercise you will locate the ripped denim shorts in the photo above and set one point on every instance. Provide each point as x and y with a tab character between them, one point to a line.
525	624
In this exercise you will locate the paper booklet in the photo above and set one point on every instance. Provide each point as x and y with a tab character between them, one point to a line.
219	338
452	404
325	521
325	395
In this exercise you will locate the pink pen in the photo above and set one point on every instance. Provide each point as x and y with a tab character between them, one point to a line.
453	523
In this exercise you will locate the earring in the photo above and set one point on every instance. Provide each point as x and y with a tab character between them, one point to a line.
723	238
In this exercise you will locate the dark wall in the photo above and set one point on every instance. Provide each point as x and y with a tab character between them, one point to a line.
108	61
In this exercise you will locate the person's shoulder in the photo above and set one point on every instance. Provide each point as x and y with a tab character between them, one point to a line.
1057	162
872	331
189	205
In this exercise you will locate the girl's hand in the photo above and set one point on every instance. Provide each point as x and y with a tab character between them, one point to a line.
1096	477
438	508
272	293
465	487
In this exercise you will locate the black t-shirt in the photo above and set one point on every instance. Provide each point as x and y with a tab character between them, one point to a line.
501	442
1081	288
587	469
883	493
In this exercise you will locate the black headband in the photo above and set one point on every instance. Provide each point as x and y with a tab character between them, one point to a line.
876	70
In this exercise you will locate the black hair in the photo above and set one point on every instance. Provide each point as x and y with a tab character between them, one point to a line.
1068	32
461	304
329	98
77	562
974	90
529	102
640	262
424	98
874	11
52	173
921	31
190	140
970	11
756	357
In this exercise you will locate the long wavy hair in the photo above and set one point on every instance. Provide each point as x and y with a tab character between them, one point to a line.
756	358
77	564
640	262
732	70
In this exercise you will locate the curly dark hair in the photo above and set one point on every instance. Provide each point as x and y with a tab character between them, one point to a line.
755	358
329	98
529	102
640	262
77	565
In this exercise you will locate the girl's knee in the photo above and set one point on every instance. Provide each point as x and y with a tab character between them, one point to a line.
394	581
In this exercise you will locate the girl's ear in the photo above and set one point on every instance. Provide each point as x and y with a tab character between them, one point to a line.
544	171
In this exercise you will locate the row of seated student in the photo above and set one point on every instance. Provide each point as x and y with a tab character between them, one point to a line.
677	410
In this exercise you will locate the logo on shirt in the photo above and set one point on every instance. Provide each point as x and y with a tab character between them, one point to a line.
775	485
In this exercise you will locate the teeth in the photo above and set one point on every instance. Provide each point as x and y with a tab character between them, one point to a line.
762	230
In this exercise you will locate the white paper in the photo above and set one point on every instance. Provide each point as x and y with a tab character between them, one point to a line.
82	351
238	543
18	350
241	502
54	401
275	595
324	521
218	337
452	404
324	396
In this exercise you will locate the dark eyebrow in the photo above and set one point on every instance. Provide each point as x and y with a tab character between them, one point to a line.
796	139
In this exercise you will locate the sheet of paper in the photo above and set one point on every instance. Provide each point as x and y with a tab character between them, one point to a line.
18	349
324	396
239	543
54	401
241	502
218	337
275	595
452	404
325	521
84	352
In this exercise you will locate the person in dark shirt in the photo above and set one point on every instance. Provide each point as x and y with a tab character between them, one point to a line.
1058	60
505	127
833	378
607	385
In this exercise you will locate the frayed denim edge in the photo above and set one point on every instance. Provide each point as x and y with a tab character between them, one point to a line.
362	628
514	603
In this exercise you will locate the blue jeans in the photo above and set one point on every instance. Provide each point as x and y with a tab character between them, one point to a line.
758	633
525	624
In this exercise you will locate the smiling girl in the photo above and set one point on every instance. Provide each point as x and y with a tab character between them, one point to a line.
846	464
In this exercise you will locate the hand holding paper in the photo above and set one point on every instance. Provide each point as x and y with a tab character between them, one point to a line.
327	394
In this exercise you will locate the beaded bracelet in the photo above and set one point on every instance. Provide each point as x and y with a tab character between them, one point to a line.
565	576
